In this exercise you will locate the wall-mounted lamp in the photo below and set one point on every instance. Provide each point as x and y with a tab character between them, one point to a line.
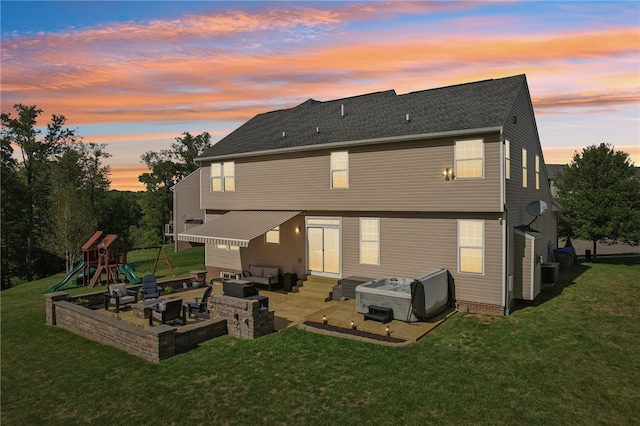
448	174
297	230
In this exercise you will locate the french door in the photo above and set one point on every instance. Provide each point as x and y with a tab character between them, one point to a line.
323	246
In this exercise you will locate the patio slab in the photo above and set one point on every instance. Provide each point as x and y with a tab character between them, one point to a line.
293	309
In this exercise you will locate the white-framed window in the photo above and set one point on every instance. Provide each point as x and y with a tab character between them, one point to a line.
227	247
537	172
369	241
469	159
340	169
273	236
471	246
507	160
524	168
223	177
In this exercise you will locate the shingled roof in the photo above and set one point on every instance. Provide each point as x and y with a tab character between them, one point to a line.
381	115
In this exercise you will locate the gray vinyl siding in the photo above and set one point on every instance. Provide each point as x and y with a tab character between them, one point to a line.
412	247
289	255
523	134
402	176
186	203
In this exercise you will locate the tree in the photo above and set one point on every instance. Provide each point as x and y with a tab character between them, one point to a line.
72	224
36	153
12	210
600	197
50	197
167	167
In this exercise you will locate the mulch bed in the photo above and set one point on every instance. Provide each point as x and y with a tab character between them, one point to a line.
351	332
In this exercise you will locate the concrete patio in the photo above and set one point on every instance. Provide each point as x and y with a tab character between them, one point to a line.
298	308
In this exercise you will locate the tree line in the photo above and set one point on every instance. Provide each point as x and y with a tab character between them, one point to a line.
56	193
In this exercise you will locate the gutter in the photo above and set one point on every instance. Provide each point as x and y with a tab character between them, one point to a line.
343	144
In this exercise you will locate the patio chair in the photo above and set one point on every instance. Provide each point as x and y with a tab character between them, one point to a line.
168	311
117	296
150	288
199	307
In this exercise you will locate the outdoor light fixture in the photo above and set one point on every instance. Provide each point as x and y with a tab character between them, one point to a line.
297	229
388	332
324	319
353	325
448	174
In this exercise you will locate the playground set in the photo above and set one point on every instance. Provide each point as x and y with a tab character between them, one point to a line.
105	256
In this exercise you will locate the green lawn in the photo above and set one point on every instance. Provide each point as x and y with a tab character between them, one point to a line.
572	359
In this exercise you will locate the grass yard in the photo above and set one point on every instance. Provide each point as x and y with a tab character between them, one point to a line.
572	359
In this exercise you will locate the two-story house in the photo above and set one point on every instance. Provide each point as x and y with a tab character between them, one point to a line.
387	185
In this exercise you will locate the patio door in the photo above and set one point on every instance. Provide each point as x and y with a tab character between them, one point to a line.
323	246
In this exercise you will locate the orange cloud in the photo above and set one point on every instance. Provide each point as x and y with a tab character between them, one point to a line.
564	155
125	178
593	99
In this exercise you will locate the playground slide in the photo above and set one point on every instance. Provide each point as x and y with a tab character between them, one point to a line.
70	275
130	274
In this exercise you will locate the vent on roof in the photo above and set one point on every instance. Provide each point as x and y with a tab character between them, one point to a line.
284	134
407	118
342	110
317	129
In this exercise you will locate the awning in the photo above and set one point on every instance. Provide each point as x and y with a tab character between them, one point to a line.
236	228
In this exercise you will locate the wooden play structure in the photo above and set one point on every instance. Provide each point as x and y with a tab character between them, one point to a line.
104	260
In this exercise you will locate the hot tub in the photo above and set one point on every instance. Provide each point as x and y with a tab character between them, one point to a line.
430	295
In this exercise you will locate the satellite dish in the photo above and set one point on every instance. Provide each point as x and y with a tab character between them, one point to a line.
536	208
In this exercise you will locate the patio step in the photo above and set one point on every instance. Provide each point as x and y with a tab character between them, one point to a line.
317	288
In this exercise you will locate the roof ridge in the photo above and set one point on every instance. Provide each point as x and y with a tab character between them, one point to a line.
378	93
470	83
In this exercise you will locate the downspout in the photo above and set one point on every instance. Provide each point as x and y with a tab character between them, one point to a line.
503	222
505	244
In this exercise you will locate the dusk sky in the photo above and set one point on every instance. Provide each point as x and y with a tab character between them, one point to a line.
135	75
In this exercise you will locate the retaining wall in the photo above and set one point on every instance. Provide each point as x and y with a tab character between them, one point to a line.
153	343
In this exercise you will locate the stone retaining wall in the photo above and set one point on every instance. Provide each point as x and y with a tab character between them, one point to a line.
153	343
244	317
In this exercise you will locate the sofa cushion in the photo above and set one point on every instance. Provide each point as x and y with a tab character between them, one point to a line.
259	280
270	272
256	271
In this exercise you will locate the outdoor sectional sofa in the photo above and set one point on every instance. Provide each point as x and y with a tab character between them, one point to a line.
262	275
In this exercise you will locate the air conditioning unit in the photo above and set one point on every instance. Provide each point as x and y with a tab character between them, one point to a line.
230	275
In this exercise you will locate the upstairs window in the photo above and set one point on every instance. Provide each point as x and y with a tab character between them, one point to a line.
273	236
369	241
223	177
507	160
469	156
537	172
340	169
524	168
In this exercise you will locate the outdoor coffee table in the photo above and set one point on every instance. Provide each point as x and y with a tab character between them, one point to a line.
141	309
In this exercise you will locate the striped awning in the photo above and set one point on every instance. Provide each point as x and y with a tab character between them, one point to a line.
236	228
